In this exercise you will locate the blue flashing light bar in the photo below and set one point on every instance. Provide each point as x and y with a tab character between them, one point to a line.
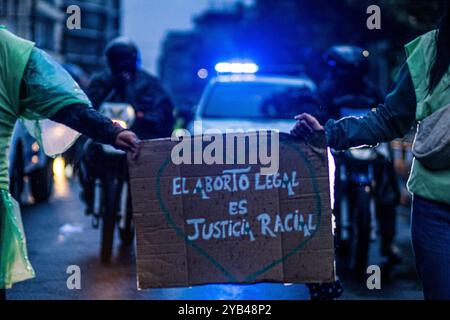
237	67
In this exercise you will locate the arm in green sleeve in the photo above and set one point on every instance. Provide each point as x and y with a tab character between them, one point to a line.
48	91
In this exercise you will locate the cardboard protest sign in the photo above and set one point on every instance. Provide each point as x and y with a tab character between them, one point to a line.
230	223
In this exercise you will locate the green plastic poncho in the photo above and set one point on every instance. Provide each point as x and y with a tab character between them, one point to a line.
32	88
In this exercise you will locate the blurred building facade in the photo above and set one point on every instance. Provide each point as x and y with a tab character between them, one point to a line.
229	30
177	67
187	58
100	22
39	20
44	22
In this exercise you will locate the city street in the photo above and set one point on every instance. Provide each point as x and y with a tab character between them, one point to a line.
237	150
60	235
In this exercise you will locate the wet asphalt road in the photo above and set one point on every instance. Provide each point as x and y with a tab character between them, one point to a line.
60	235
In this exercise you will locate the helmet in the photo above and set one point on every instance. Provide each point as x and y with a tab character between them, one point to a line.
347	61
122	55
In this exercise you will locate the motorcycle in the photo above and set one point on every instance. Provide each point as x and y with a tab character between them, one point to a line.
111	200
356	203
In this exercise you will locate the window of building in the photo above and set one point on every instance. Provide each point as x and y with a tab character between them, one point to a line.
4	8
45	36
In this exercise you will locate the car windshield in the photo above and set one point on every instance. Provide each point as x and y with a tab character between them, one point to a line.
258	100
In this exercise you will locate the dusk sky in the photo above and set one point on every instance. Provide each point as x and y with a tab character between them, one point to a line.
147	21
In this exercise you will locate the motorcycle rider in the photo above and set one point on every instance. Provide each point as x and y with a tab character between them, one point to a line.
347	91
124	81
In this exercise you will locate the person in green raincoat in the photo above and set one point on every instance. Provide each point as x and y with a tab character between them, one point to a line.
423	88
34	87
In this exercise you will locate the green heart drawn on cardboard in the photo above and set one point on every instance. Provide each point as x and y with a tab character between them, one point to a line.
267	267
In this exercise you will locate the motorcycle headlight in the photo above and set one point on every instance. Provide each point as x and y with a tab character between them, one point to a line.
131	114
120	113
364	154
122	123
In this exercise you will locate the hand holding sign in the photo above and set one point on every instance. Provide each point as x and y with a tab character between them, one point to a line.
128	141
306	126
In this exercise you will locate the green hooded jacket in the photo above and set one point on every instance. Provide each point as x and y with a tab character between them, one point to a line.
408	103
14	55
47	88
32	87
433	185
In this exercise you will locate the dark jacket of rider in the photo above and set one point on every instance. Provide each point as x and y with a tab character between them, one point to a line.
153	106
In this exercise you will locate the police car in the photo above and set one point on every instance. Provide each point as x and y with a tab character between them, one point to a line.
238	98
